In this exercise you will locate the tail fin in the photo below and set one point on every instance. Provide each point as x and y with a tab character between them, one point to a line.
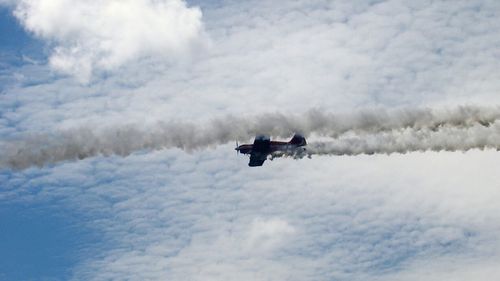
298	140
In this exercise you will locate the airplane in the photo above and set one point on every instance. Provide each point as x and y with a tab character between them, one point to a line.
262	147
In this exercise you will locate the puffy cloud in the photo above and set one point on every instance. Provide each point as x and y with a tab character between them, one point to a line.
287	57
90	35
268	234
178	216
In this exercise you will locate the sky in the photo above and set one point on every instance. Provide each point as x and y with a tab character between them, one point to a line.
86	66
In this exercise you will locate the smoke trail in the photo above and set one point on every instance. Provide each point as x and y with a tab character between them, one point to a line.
368	131
446	138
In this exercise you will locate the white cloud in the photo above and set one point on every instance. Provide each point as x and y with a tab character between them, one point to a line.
171	215
207	217
268	234
289	57
90	35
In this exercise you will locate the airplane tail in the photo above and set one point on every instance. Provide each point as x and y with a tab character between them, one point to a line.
298	140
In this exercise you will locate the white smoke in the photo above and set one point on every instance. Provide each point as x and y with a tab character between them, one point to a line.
445	138
368	132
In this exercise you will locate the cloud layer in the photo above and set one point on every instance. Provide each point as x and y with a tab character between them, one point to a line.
93	35
167	214
170	215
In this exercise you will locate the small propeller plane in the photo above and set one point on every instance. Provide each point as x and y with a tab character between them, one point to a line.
262	147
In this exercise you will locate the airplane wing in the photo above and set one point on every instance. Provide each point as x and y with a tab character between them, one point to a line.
257	159
260	150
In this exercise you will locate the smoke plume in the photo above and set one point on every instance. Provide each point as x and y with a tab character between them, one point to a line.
445	138
363	132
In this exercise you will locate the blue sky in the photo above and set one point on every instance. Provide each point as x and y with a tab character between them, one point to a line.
73	72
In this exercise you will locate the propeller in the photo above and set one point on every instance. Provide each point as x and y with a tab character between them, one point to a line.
237	151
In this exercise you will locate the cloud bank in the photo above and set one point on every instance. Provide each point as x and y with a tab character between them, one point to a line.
96	35
171	215
201	217
365	132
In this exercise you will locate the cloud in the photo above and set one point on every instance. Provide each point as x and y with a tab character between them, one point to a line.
267	234
93	35
456	268
287	58
173	215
